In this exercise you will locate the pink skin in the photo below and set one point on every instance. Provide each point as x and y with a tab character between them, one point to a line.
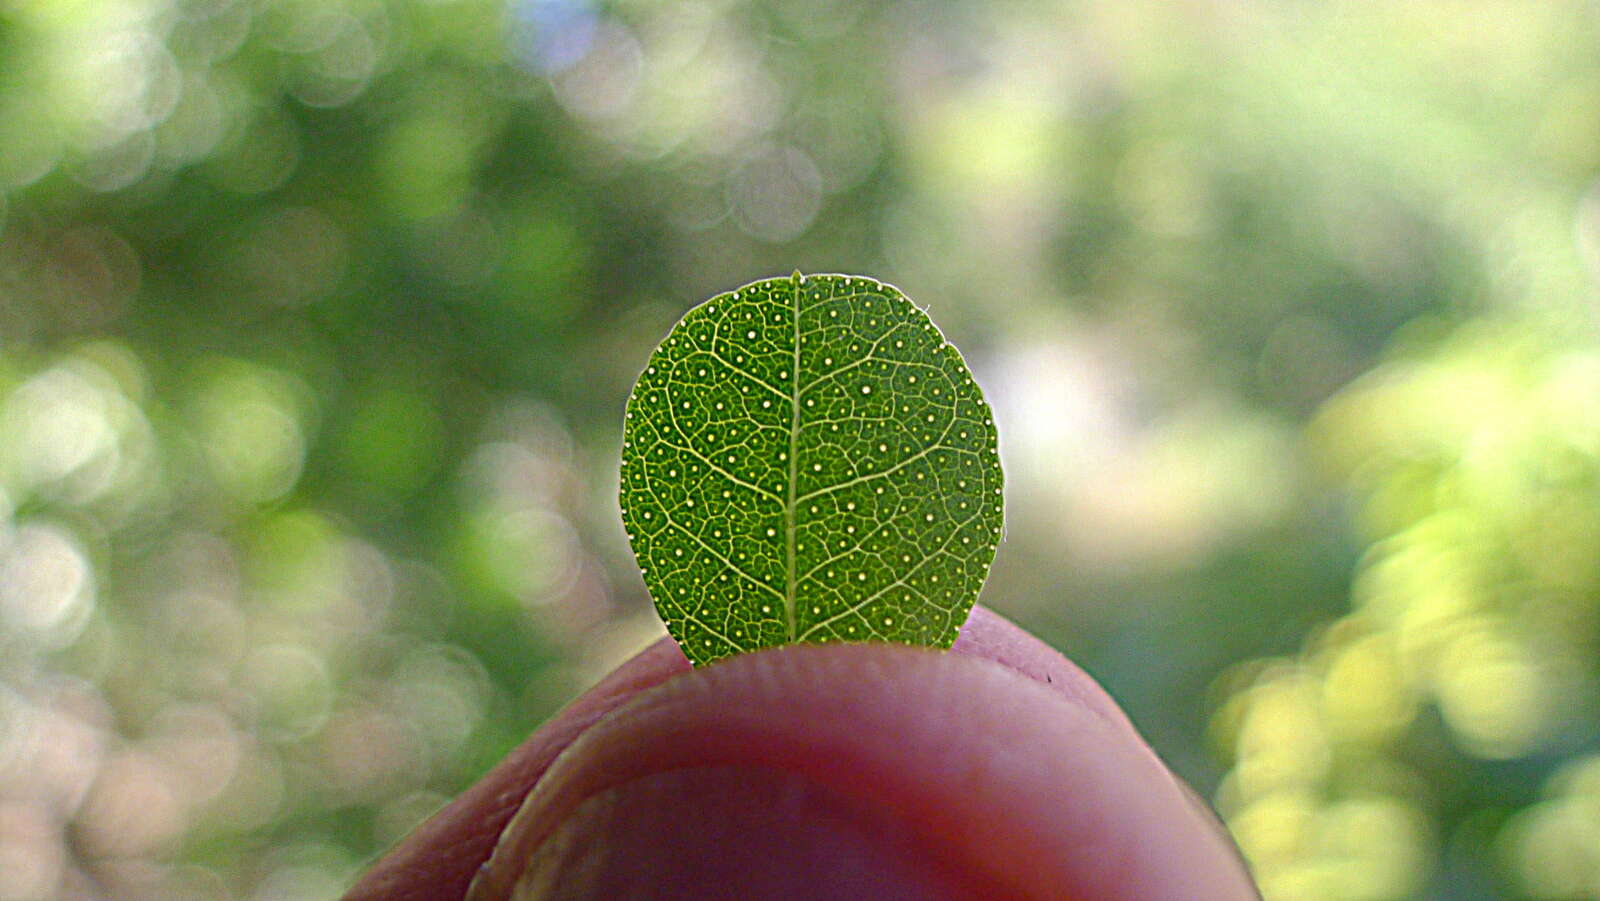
998	770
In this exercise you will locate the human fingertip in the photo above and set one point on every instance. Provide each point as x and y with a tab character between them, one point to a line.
1013	786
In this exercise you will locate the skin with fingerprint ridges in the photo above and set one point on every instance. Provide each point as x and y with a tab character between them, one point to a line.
806	459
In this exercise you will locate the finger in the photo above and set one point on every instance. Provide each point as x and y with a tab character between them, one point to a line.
738	741
1013	789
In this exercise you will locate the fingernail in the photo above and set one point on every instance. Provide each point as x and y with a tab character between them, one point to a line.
734	832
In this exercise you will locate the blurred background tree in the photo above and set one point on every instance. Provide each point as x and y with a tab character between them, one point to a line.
317	318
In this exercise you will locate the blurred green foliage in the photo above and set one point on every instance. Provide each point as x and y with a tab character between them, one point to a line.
317	318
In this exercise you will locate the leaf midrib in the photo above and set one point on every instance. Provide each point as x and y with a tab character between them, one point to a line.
794	467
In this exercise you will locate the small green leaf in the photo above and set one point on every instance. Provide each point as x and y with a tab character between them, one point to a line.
806	459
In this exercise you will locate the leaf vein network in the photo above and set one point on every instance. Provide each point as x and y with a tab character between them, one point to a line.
901	582
722	558
807	459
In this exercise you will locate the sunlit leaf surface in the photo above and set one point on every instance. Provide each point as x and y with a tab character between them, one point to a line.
806	459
